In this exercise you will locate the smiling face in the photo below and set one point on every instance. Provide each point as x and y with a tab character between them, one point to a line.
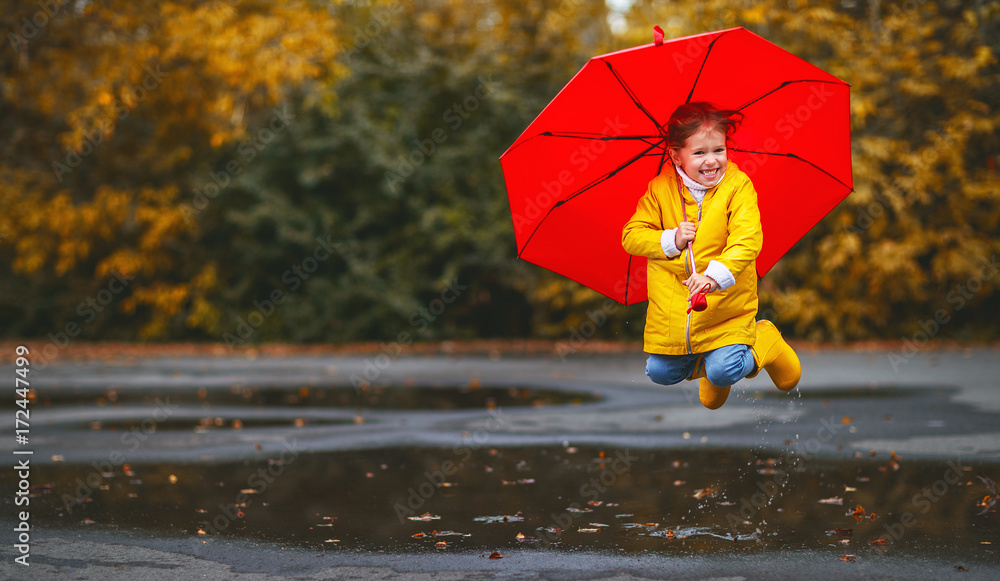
703	157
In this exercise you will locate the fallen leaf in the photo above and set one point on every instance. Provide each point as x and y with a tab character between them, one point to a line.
703	493
172	478
586	530
990	500
496	555
879	542
845	420
520	536
960	568
858	514
425	517
847	558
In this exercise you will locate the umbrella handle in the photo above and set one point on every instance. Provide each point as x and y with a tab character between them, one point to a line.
690	245
698	301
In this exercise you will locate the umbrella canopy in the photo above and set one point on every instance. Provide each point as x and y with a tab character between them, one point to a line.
576	173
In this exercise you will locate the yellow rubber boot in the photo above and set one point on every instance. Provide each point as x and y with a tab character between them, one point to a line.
712	396
774	355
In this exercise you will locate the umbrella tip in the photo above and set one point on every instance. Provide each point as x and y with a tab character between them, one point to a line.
657	35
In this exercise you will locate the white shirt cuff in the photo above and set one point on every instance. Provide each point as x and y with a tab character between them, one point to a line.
667	243
720	274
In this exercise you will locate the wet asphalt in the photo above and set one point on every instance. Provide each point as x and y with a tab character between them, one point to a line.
355	467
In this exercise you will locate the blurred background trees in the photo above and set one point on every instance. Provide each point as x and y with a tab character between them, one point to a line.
246	171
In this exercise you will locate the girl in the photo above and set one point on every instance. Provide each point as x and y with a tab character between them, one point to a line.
703	206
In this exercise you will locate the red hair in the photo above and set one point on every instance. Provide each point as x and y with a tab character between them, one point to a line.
689	118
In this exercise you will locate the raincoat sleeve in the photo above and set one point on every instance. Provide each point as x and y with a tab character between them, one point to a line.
745	234
641	234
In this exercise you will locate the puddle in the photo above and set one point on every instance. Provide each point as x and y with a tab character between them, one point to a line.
559	498
875	391
430	397
199	424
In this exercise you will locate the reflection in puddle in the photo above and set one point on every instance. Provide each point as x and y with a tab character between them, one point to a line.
469	396
561	498
201	425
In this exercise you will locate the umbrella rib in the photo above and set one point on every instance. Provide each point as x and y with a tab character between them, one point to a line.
703	63
591	136
802	159
631	95
598	136
592	184
605	177
628	277
785	84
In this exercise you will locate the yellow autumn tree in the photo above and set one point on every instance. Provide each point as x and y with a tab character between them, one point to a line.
117	112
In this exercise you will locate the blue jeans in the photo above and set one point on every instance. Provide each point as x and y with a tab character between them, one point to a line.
723	366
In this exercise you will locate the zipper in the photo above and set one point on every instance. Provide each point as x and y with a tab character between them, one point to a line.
688	269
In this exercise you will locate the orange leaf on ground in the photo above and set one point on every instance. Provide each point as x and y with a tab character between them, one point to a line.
496	555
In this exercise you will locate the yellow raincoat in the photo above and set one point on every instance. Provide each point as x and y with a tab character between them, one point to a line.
729	231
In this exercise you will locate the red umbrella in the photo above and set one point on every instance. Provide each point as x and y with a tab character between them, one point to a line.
576	173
